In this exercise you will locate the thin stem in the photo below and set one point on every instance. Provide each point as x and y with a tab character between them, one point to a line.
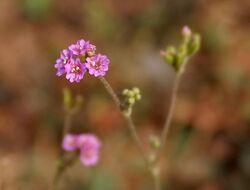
110	91
69	114
171	110
134	133
64	162
129	119
155	172
67	123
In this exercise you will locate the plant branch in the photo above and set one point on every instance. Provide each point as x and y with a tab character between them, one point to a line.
134	133
64	161
128	118
171	110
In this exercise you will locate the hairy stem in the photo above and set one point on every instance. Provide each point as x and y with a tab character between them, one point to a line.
128	118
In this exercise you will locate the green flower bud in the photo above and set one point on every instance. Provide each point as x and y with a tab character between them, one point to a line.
155	142
136	90
125	92
130	93
194	44
130	97
138	96
170	55
131	100
190	45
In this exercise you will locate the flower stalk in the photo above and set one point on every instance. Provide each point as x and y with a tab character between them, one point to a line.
170	113
126	116
69	112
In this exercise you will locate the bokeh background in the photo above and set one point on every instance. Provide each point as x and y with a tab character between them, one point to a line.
208	145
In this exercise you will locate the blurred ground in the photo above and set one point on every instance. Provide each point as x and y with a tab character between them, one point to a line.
208	148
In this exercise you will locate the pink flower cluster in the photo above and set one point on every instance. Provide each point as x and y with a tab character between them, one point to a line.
88	145
79	58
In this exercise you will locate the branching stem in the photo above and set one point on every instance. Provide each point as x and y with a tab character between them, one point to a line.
128	118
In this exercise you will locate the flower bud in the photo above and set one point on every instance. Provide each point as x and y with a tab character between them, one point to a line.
155	142
138	96
187	34
125	92
136	90
177	57
131	101
186	31
130	97
170	55
194	44
130	93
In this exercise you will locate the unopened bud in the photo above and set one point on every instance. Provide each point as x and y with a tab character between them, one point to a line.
194	44
138	96
186	31
170	55
155	142
136	90
125	92
131	101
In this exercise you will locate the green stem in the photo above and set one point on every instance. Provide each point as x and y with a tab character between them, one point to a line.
171	110
134	133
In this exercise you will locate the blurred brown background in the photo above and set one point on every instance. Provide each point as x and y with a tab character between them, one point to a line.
208	145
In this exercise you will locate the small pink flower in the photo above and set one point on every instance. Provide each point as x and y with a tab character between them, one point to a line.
97	65
81	47
75	70
65	57
69	142
89	146
90	48
89	156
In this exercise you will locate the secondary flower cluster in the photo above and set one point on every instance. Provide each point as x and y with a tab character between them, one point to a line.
79	58
88	145
178	56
